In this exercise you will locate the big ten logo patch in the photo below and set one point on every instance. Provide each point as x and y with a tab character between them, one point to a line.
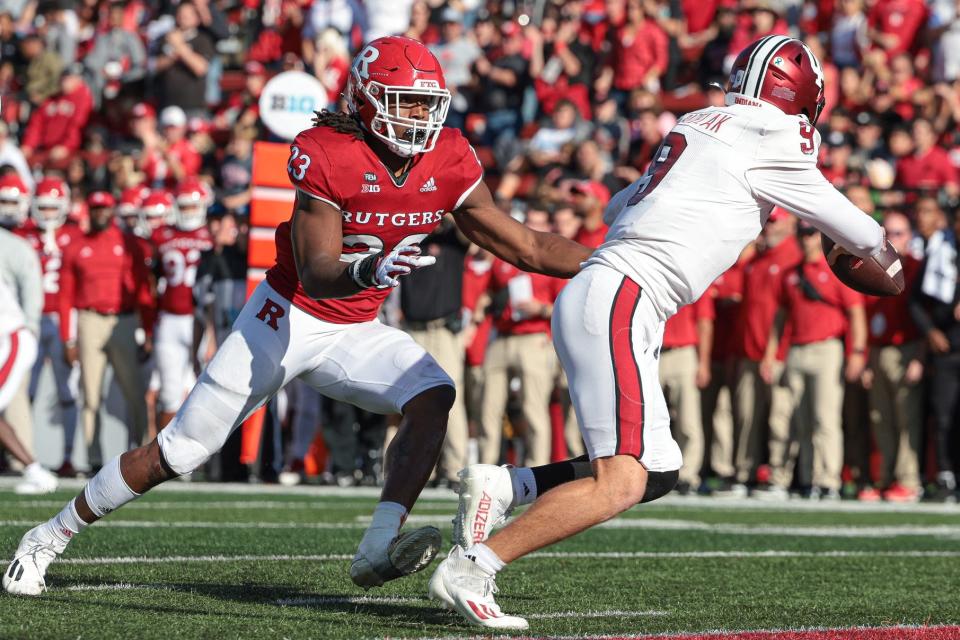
293	103
270	312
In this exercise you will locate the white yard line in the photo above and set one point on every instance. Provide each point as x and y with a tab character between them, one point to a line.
813	531
446	495
322	600
120	586
328	557
718	633
648	524
259	505
596	614
543	555
174	524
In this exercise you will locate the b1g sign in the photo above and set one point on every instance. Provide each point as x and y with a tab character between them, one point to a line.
288	102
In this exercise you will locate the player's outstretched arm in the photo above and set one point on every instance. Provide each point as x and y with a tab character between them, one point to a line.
317	236
483	223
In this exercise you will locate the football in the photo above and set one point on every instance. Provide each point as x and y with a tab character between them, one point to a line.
880	275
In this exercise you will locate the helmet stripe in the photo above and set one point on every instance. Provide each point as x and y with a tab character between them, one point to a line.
756	75
749	68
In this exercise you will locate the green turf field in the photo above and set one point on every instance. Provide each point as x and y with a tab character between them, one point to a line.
195	563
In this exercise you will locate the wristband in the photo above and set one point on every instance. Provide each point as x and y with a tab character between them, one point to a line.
362	271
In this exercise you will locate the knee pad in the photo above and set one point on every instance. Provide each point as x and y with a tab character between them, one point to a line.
659	484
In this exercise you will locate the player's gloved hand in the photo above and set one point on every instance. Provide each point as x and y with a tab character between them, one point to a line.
383	270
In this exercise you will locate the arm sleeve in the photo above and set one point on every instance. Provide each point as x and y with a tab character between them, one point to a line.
468	168
704	309
145	300
918	310
138	59
787	175
31	137
309	169
67	297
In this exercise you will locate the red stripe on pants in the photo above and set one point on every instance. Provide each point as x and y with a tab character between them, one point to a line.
626	372
11	358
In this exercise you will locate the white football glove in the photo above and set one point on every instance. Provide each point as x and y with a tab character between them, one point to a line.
382	271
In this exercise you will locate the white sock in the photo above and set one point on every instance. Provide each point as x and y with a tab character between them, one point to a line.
485	558
67	523
388	517
108	491
524	486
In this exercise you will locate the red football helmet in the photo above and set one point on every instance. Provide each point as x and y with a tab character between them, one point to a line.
193	199
51	203
388	73
781	71
14	201
158	209
128	208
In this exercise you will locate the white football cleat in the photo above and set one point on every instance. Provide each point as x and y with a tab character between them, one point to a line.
36	480
461	586
486	501
37	550
408	553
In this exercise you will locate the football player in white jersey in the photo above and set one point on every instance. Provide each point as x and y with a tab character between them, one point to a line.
707	193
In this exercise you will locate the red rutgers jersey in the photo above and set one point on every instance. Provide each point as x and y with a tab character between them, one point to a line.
178	254
378	213
50	245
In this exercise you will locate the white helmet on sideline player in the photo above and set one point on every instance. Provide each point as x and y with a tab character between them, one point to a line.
51	203
193	200
14	201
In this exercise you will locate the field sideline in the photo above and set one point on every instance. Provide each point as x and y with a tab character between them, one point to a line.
202	561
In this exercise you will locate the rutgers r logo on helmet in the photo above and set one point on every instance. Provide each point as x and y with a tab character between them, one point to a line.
361	63
397	90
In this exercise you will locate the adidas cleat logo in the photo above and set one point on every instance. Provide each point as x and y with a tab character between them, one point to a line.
429	185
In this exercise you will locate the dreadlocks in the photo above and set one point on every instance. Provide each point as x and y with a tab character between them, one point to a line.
339	122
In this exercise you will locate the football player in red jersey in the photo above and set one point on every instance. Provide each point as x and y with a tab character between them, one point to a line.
178	248
371	184
49	234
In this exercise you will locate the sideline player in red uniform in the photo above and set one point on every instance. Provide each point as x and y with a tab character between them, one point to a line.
49	235
178	248
367	192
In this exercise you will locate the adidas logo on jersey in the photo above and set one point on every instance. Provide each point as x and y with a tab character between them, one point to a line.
429	185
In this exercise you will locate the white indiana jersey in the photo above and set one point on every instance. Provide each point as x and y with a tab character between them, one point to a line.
708	193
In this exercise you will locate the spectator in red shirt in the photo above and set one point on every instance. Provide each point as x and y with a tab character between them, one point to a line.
895	24
476	335
167	158
717	397
561	64
639	55
243	107
331	64
756	396
684	371
589	201
819	311
757	19
929	167
55	130
103	281
521	308
895	376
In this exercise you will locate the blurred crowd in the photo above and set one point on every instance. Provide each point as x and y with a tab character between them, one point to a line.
140	118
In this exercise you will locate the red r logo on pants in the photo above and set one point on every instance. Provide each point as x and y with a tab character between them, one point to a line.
270	313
